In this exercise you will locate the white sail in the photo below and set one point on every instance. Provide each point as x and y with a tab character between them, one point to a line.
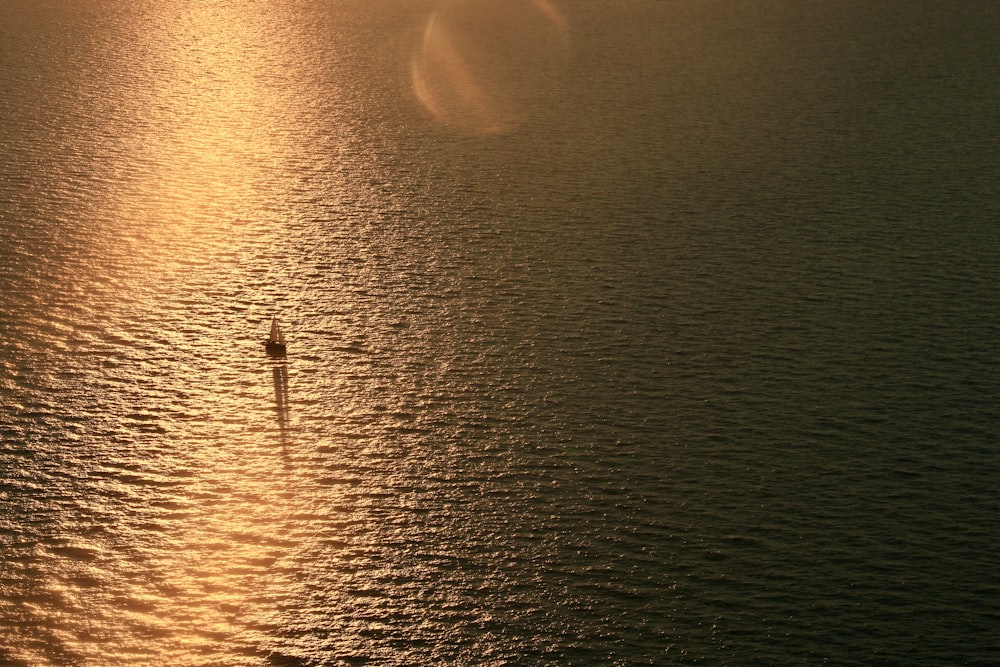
276	335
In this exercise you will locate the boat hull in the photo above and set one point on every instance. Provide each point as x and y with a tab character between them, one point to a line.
274	349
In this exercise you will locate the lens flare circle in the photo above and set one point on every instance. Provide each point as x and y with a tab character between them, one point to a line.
484	65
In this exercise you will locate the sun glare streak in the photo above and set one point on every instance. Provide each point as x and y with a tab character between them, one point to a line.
482	67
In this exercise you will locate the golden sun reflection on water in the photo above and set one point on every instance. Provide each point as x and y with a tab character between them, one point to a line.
188	196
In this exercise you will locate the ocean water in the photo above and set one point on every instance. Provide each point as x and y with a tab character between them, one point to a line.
648	332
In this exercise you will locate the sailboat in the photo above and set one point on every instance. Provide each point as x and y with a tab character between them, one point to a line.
275	343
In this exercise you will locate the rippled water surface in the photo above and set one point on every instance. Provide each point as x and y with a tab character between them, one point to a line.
652	332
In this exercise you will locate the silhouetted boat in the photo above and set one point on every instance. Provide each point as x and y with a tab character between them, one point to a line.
275	343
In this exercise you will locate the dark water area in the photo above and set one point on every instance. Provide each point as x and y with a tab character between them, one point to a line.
651	332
